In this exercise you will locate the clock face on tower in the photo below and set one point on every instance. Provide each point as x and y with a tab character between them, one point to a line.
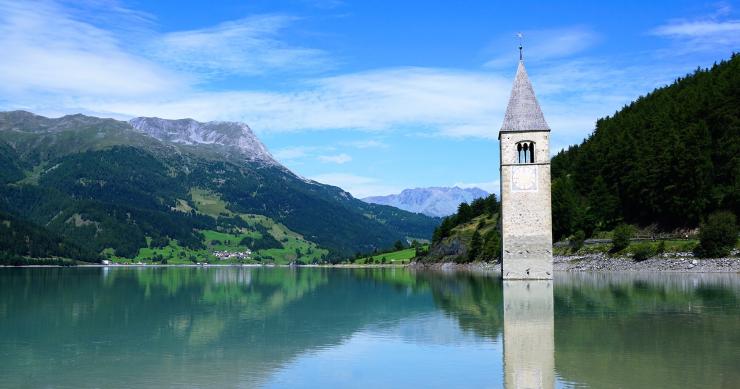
524	178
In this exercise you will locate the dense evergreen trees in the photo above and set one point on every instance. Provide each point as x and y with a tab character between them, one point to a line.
20	239
670	158
265	241
10	170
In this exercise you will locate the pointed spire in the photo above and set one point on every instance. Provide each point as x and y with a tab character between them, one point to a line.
521	45
523	112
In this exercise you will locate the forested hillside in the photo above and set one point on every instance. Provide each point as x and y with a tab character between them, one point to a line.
669	158
109	189
19	239
471	234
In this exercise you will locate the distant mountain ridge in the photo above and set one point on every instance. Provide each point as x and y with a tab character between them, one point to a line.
433	201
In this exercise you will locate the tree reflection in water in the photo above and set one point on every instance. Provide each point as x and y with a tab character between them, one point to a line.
238	326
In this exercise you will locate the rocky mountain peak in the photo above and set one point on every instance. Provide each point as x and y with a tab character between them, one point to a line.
192	132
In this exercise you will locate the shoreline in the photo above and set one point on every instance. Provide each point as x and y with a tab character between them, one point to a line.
250	265
603	263
599	262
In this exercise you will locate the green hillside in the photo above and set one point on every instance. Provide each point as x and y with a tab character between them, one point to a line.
472	234
669	159
20	240
398	257
269	241
107	188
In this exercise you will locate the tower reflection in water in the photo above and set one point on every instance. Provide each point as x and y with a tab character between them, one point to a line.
529	345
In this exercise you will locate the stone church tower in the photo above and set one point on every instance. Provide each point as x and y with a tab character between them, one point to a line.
526	216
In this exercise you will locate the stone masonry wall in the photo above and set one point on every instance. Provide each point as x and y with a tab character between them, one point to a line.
526	209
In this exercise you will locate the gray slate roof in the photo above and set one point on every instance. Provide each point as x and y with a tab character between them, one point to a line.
523	112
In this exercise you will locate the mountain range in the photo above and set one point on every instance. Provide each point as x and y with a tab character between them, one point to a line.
434	201
108	187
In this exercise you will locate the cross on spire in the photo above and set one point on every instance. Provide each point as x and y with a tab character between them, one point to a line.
521	38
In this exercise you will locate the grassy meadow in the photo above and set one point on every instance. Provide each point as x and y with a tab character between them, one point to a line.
294	246
400	257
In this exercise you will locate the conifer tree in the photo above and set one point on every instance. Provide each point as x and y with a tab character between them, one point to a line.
475	246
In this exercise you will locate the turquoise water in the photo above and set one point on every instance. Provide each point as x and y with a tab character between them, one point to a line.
310	327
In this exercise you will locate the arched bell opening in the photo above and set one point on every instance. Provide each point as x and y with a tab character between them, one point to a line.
525	152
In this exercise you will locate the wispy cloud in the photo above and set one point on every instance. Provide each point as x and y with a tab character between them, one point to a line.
543	45
358	186
379	100
698	28
56	61
432	102
248	46
366	144
295	152
339	159
47	50
707	33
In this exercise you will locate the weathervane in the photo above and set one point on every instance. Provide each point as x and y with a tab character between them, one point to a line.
521	37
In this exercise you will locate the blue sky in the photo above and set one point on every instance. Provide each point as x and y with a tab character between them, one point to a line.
372	96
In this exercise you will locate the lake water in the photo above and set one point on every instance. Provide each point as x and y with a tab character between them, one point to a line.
378	328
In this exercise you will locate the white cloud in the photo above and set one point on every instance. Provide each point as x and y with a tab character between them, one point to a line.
358	186
246	46
703	34
542	45
48	51
339	159
380	100
293	152
698	28
366	144
428	101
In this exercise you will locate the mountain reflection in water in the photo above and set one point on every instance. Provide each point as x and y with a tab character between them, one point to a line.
308	327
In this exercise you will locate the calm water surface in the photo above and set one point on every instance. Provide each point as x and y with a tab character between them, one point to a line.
254	327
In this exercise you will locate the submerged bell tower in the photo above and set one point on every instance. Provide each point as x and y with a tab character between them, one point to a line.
526	215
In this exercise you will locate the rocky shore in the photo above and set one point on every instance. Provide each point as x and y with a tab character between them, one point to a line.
677	263
680	262
477	267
